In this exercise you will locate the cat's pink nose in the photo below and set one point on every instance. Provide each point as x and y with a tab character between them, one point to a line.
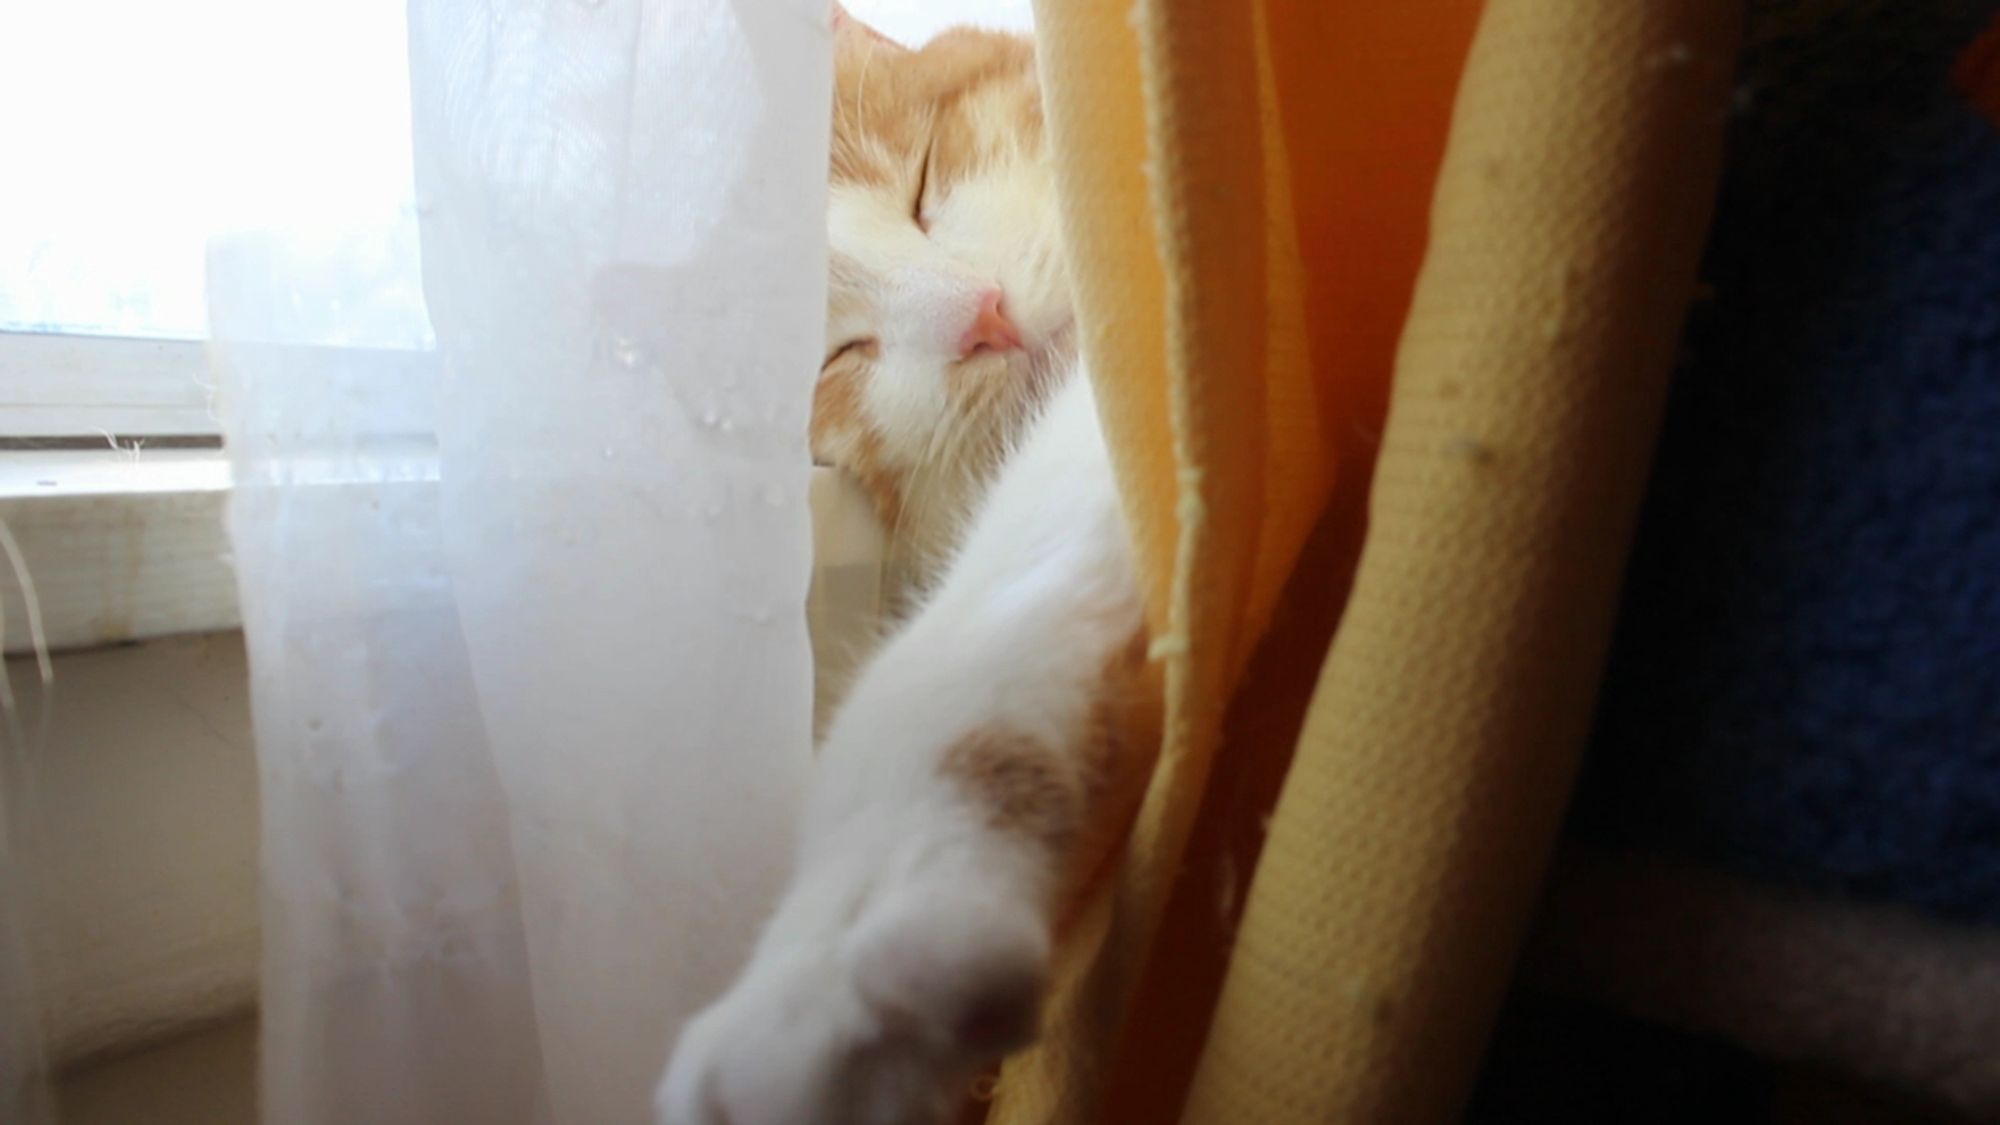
991	330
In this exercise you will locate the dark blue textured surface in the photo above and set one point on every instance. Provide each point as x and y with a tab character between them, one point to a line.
1805	683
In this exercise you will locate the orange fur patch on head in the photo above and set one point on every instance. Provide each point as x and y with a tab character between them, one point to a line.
890	102
996	85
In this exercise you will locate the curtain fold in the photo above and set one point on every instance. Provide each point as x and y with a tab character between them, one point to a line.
1249	190
523	545
1242	255
1415	824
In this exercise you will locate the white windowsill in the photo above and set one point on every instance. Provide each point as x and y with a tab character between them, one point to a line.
123	548
70	473
60	385
118	549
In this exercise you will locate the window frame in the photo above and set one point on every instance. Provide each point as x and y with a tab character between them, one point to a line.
69	388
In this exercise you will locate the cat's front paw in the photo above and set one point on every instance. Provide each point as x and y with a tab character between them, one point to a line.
884	1023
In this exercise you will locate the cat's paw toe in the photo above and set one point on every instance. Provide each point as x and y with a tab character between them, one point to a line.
961	978
886	1024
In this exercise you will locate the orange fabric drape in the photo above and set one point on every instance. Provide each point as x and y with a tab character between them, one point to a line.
1249	190
1179	164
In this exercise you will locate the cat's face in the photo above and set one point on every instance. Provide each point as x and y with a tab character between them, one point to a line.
948	306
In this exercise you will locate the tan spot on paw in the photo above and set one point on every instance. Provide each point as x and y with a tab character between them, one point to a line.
1022	786
1121	744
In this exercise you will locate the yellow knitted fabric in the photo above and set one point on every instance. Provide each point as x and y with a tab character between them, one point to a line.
1245	185
1429	780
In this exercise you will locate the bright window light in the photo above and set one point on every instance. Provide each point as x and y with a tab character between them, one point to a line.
137	129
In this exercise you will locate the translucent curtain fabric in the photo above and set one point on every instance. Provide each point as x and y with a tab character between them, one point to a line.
522	538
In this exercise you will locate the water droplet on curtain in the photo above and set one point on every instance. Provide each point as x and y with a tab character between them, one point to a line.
709	417
626	352
727	425
610	454
774	496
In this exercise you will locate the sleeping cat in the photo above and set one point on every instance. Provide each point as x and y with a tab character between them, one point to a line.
911	949
948	313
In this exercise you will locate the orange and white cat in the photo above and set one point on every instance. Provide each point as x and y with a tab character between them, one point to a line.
911	948
948	311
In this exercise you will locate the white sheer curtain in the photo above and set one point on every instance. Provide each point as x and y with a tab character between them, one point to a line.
522	539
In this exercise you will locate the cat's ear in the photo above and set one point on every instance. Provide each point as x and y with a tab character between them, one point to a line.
850	32
963	973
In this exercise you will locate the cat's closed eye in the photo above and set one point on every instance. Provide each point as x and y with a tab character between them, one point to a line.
863	344
917	212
